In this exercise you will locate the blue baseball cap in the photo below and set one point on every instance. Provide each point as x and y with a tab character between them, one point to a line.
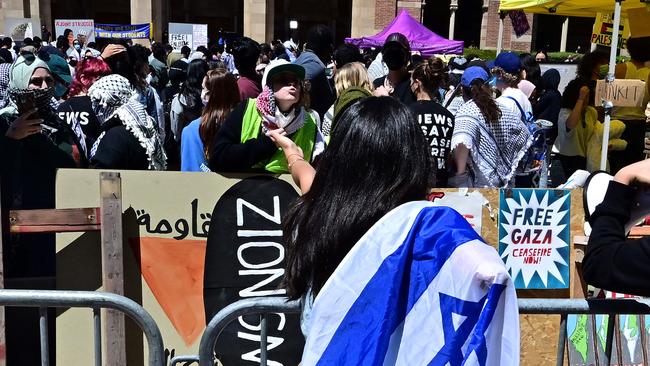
509	62
472	73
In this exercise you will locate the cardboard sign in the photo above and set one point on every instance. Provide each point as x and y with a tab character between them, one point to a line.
186	34
534	236
85	27
604	28
621	92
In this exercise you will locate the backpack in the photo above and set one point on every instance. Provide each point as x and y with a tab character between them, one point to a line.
534	158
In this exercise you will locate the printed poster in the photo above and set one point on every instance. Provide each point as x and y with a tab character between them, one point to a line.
534	236
78	26
604	29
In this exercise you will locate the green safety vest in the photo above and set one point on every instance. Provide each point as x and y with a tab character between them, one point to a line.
304	137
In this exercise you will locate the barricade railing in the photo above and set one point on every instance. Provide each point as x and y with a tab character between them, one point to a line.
562	307
94	300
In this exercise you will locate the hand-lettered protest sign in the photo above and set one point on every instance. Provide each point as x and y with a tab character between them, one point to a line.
621	92
245	258
534	236
185	34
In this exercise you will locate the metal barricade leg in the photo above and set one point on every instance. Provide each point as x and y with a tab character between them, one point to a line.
45	349
611	324
97	322
561	342
263	339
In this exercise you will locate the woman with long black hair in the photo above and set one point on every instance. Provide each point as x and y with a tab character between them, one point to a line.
377	160
187	105
346	256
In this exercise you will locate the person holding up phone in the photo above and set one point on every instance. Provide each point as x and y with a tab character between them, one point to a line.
242	144
34	142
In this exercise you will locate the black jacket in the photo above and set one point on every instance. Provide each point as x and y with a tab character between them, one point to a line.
119	149
613	262
229	154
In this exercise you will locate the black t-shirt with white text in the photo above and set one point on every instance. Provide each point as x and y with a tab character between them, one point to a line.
437	124
79	109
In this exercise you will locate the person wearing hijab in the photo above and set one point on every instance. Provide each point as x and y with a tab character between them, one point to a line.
242	144
34	143
128	138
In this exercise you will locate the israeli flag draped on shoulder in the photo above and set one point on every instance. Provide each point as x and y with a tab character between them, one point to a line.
419	288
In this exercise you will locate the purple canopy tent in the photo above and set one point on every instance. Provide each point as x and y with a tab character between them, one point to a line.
420	38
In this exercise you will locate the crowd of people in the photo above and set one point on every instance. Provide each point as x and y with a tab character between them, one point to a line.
122	106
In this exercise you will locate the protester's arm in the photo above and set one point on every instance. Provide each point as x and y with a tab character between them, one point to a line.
613	262
576	114
301	170
461	154
229	154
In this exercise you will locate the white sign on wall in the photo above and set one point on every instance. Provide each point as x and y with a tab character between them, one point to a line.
85	27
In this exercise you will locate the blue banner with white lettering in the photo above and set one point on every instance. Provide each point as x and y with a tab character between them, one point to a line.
123	31
534	236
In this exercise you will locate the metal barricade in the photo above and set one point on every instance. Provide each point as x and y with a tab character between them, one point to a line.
94	300
562	307
256	305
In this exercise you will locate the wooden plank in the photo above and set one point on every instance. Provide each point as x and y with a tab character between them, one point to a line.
113	337
55	217
18	229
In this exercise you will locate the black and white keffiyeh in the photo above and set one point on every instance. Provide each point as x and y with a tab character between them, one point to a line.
111	96
4	84
495	147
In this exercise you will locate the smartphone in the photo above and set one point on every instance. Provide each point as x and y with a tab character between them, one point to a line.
25	103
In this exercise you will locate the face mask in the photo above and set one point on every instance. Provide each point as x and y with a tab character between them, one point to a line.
394	59
492	82
77	47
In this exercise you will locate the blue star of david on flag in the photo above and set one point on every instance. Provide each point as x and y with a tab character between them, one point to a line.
421	287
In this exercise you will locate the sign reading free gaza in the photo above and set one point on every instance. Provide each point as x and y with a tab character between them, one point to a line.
534	228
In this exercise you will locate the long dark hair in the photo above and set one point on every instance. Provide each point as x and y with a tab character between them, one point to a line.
432	75
191	89
223	97
377	159
480	93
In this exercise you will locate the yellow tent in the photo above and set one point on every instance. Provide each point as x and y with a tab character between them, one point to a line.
578	8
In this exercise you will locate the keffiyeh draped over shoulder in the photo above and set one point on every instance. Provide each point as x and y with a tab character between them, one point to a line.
110	96
495	148
4	84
